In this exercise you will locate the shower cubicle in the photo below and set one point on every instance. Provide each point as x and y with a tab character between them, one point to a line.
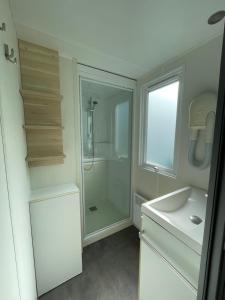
106	117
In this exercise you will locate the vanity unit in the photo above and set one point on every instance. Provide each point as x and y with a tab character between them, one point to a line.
56	233
171	242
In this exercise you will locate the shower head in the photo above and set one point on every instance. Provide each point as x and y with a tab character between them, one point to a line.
216	17
92	105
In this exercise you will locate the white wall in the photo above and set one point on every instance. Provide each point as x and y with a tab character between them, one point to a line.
15	153
45	176
9	285
201	74
102	126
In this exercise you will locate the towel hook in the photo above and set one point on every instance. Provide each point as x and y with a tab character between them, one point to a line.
3	27
9	55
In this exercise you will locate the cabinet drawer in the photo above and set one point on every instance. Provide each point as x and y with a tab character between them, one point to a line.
184	259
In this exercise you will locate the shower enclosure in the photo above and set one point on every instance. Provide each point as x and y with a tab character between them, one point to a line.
106	113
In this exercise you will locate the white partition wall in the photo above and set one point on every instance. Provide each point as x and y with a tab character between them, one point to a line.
12	120
8	272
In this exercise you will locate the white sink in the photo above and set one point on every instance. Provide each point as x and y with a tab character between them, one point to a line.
182	213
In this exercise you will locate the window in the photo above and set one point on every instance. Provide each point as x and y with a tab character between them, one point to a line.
159	125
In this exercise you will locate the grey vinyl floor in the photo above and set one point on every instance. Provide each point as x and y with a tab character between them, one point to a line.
110	271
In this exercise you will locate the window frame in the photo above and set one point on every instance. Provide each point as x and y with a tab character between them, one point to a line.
159	82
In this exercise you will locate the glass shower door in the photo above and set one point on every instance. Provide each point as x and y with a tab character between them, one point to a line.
106	154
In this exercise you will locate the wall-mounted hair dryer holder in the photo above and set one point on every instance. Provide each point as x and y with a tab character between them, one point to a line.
202	117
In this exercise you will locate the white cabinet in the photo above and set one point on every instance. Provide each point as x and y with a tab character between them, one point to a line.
159	280
56	232
169	269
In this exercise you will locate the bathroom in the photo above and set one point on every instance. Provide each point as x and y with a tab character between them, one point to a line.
107	148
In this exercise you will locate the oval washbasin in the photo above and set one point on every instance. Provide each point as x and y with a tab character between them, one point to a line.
182	213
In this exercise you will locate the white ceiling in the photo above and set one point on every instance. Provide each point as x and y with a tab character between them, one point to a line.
144	33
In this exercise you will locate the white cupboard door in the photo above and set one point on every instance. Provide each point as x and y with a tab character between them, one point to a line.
159	281
56	232
9	287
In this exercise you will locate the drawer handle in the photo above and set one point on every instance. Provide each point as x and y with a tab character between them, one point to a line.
145	240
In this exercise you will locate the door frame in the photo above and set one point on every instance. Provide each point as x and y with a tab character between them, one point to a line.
106	78
212	269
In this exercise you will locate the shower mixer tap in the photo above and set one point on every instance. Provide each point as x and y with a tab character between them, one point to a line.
92	105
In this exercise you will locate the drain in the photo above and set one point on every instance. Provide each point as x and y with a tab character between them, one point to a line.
195	219
93	208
